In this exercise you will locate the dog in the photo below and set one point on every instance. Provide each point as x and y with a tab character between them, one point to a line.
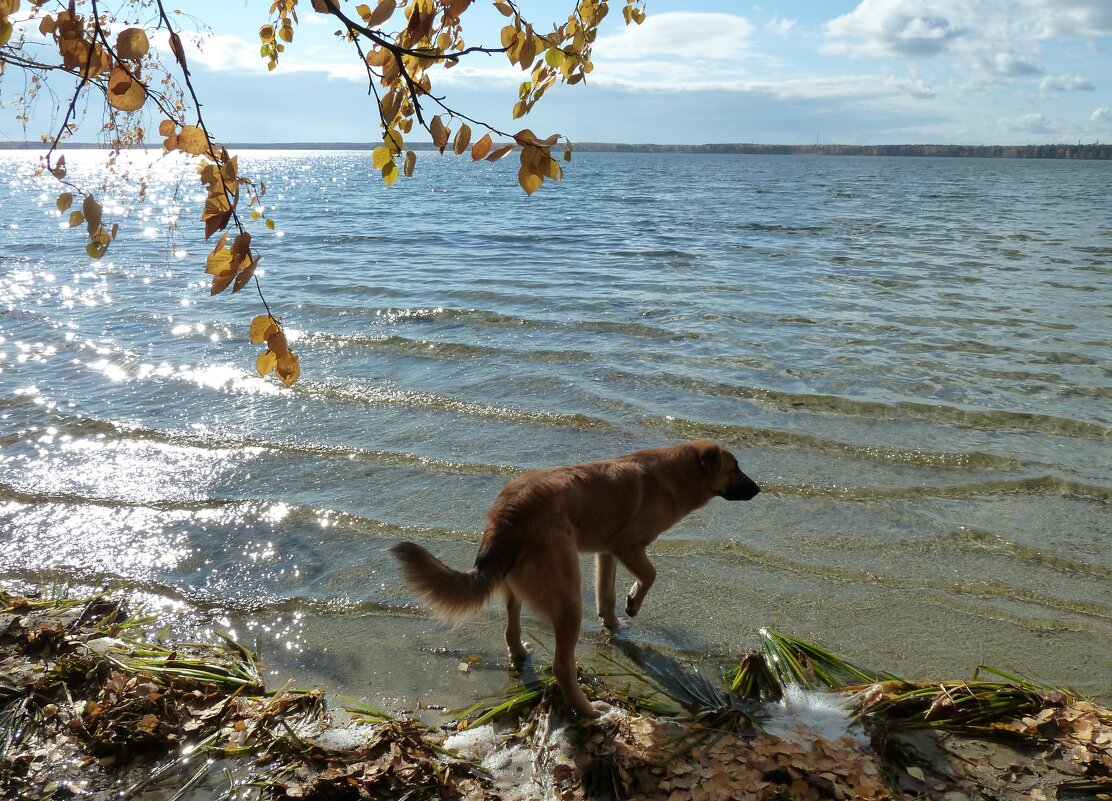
541	521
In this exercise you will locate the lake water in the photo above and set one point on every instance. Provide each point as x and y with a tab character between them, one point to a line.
912	356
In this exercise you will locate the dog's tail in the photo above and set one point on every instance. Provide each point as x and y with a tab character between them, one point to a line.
451	594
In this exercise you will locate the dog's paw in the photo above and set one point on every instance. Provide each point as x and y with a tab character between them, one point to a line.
611	621
633	604
519	655
601	708
592	711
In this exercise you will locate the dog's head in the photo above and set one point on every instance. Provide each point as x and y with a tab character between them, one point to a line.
724	477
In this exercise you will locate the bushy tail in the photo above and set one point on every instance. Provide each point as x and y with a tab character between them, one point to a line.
451	594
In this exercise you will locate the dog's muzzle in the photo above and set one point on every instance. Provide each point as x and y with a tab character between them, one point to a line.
741	489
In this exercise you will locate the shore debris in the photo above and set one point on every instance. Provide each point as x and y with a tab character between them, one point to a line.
91	704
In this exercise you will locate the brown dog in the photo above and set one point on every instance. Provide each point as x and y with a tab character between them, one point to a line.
541	521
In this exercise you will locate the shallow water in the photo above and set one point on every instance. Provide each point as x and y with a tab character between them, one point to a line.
910	355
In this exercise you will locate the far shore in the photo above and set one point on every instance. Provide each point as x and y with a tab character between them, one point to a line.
1090	152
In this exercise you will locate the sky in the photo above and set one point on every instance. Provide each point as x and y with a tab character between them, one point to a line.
795	72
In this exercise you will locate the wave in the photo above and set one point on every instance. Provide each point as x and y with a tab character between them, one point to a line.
722	551
978	539
439	349
988	589
485	318
12	494
383	396
217	441
1038	485
249	511
748	436
989	420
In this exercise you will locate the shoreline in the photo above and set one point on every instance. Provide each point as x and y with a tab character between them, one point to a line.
1059	151
97	702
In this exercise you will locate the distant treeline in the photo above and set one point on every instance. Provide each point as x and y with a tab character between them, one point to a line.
1078	151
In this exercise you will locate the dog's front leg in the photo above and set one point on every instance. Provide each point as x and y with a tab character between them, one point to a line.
637	562
605	573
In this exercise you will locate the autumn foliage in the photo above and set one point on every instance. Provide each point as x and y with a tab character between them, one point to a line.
108	52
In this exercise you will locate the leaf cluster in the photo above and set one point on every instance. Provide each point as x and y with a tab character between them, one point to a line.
400	44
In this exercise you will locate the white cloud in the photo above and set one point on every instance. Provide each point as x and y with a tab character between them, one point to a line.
1101	116
1065	83
884	28
229	53
686	35
1031	123
780	26
1067	19
1001	39
1008	65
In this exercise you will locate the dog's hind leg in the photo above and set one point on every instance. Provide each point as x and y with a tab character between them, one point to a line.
566	622
637	562
517	648
605	572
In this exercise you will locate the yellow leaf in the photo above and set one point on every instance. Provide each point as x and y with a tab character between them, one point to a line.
276	341
244	275
554	57
363	10
96	250
528	51
92	211
266	34
498	153
269	223
260	328
410	163
192	139
390	105
379	157
286	33
124	92
463	139
266	362
505	9
439	133
393	141
167	127
76	218
64	201
382	12
288	367
390	173
481	148
529	180
132	44
552	169
509	36
219	262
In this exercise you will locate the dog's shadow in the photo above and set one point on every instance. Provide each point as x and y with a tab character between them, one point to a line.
683	683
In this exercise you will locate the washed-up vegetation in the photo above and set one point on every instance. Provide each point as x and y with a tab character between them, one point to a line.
91	699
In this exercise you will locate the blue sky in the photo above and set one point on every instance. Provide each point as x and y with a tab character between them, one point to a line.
873	71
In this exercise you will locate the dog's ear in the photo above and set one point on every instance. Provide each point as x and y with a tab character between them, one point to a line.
710	455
